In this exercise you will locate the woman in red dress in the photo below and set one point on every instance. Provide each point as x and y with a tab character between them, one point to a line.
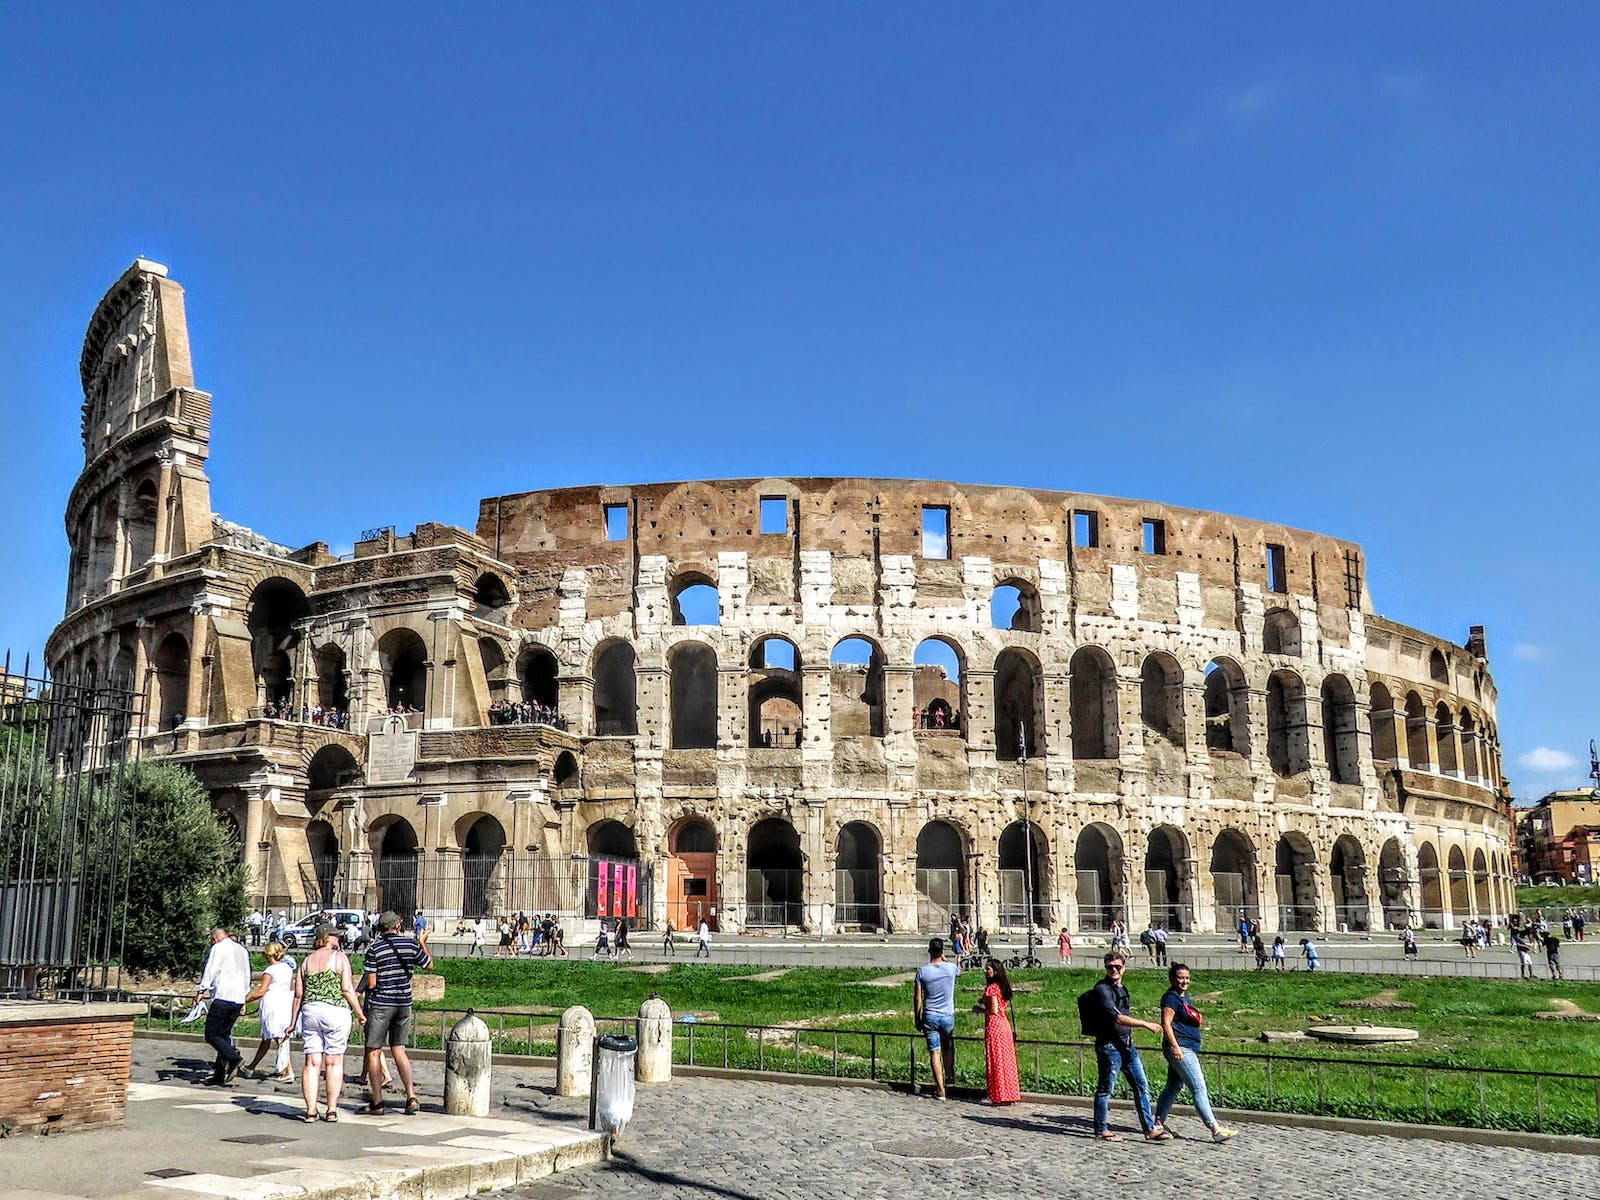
999	1043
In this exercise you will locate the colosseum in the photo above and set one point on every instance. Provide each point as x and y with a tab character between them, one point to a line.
820	704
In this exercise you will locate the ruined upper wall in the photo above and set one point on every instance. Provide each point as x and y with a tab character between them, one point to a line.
544	533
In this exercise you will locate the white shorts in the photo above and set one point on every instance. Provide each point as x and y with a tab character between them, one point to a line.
325	1028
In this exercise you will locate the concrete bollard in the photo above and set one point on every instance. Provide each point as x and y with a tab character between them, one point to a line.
654	1064
468	1053
574	1052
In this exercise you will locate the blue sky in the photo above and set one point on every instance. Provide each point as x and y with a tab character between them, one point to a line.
1334	267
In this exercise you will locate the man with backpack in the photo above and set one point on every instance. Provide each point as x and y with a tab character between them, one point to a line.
1104	1013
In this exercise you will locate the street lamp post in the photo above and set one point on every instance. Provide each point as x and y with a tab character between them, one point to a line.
1027	832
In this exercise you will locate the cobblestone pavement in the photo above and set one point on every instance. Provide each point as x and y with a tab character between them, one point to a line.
739	1140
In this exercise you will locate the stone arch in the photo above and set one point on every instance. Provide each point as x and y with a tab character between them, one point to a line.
1227	699
1417	756
616	691
496	668
695	599
1288	741
1480	884
1429	876
403	659
774	875
1014	605
332	678
1438	667
540	675
322	844
613	857
777	707
1470	763
1161	697
395	853
1295	874
565	770
1341	741
1460	891
1280	633
1017	696
1233	878
693	885
1097	862
1166	870
1093	692
332	767
1382	718
491	599
858	876
170	679
1444	732
856	703
1347	872
142	524
942	876
692	696
938	684
611	838
1024	852
275	610
1394	883
482	849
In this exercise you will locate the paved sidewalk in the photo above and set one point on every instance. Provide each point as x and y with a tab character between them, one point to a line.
183	1140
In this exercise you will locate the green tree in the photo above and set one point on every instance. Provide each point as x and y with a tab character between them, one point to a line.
186	876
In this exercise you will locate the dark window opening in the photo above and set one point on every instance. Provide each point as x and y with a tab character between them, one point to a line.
694	887
1277	570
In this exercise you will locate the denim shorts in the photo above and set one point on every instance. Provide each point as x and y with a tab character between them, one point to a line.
937	1028
388	1025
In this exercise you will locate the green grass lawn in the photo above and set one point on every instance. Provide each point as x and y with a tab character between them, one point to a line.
1480	1024
1557	899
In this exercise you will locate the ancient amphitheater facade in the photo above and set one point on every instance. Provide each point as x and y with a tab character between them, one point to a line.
816	703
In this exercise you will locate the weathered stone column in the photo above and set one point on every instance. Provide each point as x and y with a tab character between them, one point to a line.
574	1052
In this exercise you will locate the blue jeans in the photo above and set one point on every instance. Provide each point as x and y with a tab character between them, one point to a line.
1185	1070
1109	1058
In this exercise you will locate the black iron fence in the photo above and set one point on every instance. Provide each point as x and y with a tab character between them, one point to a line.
66	831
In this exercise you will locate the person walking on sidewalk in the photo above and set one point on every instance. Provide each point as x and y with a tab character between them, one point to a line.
391	960
1108	1007
324	1001
933	1012
226	979
704	934
1180	1045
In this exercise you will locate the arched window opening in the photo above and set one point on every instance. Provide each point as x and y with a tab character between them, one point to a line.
1097	863
491	599
617	887
1296	877
695	601
1347	870
936	685
855	671
403	658
695	837
323	846
333	689
1341	741
1460	889
565	771
1431	878
104	555
616	690
1444	730
1438	667
692	672
1016	706
1381	714
540	676
774	875
776	712
1024	856
858	877
1471	768
171	682
1014	605
332	767
1165	878
1288	747
692	882
496	670
1280	633
1417	734
1227	698
1161	697
1095	733
941	877
396	869
276	609
1394	884
142	525
482	889
1233	879
1480	884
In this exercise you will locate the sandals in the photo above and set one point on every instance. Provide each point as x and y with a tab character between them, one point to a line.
310	1118
1158	1135
413	1106
1108	1136
373	1109
331	1116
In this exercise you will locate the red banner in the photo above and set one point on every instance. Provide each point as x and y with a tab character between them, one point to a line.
602	874
633	880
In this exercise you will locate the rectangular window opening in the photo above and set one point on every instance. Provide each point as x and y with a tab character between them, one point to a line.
616	522
1277	570
935	531
774	514
1085	529
694	887
1155	536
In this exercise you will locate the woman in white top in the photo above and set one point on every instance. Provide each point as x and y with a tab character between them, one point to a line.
275	990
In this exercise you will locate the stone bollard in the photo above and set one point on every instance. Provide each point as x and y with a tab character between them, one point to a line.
574	1052
468	1052
654	1064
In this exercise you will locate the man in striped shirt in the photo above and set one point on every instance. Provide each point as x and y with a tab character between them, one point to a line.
391	960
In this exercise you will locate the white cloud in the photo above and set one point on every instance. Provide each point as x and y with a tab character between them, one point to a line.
1529	652
1545	761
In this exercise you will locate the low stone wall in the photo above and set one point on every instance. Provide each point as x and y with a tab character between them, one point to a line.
65	1066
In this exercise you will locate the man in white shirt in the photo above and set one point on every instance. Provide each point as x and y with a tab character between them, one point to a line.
226	980
704	938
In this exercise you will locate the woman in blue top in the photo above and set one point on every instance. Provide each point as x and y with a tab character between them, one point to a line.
1180	1043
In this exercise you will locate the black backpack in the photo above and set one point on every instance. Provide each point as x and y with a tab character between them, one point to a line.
1091	1013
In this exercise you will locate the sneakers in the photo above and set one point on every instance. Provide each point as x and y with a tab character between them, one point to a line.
1222	1133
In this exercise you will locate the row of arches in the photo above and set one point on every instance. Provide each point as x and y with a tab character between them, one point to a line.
1437	738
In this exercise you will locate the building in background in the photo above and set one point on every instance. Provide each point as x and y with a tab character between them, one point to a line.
1559	838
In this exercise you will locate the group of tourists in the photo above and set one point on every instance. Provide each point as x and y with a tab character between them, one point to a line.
319	1000
533	935
524	712
315	714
